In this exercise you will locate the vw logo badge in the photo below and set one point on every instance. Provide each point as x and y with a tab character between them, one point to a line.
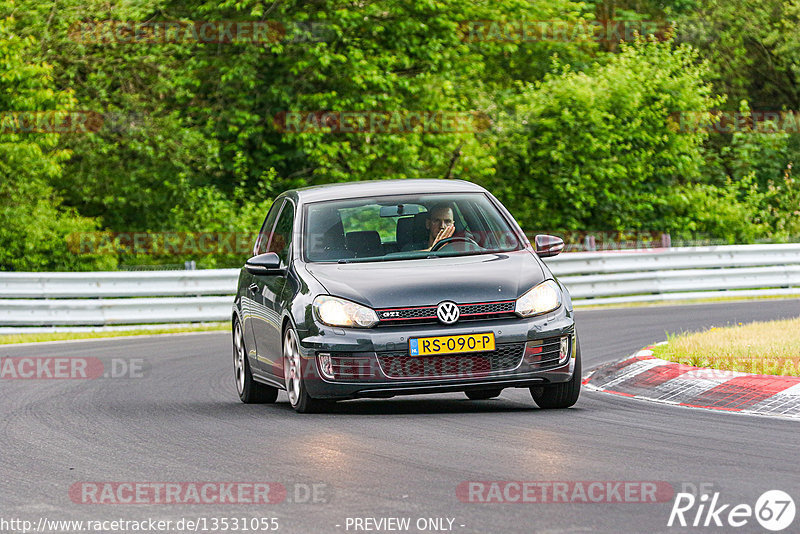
447	312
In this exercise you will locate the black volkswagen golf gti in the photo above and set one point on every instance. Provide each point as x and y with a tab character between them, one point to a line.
395	287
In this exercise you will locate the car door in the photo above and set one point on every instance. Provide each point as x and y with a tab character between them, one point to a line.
251	304
268	296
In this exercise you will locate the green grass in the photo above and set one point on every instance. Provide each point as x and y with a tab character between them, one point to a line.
768	348
6	339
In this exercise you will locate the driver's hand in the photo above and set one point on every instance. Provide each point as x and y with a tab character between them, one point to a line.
444	233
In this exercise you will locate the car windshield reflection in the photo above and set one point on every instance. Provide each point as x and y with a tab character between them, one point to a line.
405	227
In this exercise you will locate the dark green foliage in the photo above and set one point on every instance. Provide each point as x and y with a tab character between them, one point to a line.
572	134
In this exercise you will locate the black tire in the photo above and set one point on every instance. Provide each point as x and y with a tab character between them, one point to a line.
483	394
294	378
250	391
564	395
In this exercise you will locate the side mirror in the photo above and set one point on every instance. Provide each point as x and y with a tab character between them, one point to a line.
548	245
264	264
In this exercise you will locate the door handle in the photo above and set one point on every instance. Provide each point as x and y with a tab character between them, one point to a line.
253	288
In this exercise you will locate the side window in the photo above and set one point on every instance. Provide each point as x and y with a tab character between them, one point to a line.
266	229
282	235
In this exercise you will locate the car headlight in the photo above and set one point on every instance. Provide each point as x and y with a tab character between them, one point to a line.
334	311
541	299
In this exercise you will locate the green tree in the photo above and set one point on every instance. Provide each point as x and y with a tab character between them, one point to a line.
34	226
752	47
596	150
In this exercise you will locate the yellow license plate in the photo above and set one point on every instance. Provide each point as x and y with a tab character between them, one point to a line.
426	346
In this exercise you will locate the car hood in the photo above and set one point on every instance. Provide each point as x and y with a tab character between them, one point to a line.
462	279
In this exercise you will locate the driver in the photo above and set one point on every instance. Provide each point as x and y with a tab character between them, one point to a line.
440	224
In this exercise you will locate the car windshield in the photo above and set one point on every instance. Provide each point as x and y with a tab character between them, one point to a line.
405	227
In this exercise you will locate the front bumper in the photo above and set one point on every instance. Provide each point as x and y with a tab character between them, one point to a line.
381	367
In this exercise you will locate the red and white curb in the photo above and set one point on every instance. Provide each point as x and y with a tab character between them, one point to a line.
643	376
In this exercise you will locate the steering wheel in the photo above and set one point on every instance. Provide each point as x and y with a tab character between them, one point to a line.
458	239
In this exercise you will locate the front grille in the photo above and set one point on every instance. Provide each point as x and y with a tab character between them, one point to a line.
505	357
487	308
427	314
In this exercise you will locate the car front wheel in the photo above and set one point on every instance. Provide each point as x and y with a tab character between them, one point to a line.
293	376
561	395
250	391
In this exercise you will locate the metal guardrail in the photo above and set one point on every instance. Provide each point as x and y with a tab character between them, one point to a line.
679	273
124	298
117	284
26	312
115	298
725	256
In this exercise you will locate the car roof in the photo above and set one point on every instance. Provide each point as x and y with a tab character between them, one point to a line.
382	187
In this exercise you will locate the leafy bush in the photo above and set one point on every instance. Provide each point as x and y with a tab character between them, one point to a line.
599	149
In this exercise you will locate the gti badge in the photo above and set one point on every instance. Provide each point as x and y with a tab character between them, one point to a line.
447	312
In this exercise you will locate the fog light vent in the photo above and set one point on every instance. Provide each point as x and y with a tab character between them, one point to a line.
325	365
563	352
543	352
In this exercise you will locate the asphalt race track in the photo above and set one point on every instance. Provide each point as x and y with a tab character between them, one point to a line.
402	457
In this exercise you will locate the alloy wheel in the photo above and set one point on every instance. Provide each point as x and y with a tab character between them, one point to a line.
238	358
291	366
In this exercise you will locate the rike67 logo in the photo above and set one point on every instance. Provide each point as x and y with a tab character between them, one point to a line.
774	510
